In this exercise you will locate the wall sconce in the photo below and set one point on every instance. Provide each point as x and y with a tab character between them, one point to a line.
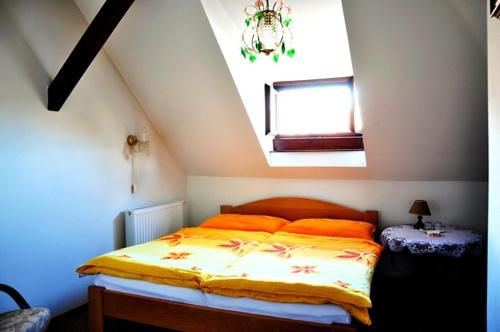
136	145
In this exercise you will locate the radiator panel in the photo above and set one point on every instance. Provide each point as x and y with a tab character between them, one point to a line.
143	225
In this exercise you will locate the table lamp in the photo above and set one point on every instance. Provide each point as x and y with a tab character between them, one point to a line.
420	208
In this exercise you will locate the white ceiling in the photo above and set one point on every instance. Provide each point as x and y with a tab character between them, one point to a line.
420	68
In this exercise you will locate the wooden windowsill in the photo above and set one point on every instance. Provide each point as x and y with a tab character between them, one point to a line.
318	143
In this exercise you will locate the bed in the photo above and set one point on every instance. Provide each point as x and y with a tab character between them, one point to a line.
110	299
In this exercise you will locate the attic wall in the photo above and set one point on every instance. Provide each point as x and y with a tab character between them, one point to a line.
420	70
65	178
493	300
451	202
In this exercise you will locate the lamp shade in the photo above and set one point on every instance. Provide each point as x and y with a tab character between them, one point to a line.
420	207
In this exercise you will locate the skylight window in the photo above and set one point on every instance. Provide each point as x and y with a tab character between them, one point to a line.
313	115
324	109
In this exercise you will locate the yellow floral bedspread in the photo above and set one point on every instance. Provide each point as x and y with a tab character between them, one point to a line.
185	258
282	267
303	268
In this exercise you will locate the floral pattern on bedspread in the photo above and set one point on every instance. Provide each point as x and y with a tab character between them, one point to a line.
184	258
304	269
367	258
239	247
282	250
177	255
177	238
301	268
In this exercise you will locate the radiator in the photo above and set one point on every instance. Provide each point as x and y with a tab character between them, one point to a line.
143	225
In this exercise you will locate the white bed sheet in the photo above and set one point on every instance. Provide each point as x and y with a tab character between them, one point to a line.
317	313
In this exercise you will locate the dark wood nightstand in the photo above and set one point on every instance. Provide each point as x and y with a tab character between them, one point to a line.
423	284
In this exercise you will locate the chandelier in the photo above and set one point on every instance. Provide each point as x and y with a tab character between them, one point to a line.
267	30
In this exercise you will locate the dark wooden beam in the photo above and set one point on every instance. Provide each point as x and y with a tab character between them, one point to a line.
85	51
494	9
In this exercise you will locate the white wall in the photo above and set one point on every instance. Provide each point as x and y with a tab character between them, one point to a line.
64	177
420	71
493	309
452	202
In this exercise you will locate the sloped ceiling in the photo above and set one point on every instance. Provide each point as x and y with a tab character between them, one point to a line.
420	68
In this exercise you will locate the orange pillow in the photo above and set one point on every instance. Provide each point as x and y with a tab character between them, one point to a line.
244	222
331	227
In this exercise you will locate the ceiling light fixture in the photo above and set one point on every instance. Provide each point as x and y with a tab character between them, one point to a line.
267	30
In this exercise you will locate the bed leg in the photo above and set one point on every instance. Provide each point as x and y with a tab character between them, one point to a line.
96	313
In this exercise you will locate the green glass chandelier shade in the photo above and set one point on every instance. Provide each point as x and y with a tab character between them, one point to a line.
267	31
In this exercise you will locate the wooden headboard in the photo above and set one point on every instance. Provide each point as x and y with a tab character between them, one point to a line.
293	208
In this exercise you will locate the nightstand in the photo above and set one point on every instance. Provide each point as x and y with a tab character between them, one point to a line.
425	280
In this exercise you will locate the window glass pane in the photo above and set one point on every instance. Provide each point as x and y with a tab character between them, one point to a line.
358	121
314	110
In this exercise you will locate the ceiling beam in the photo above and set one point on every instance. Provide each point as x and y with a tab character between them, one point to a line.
85	51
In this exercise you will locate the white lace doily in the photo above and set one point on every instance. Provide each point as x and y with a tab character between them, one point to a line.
454	242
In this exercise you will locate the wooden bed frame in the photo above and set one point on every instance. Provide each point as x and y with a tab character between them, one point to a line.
186	317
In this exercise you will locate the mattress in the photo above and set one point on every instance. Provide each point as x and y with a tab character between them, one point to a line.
317	313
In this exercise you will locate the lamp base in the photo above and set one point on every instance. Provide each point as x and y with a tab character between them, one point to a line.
419	224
